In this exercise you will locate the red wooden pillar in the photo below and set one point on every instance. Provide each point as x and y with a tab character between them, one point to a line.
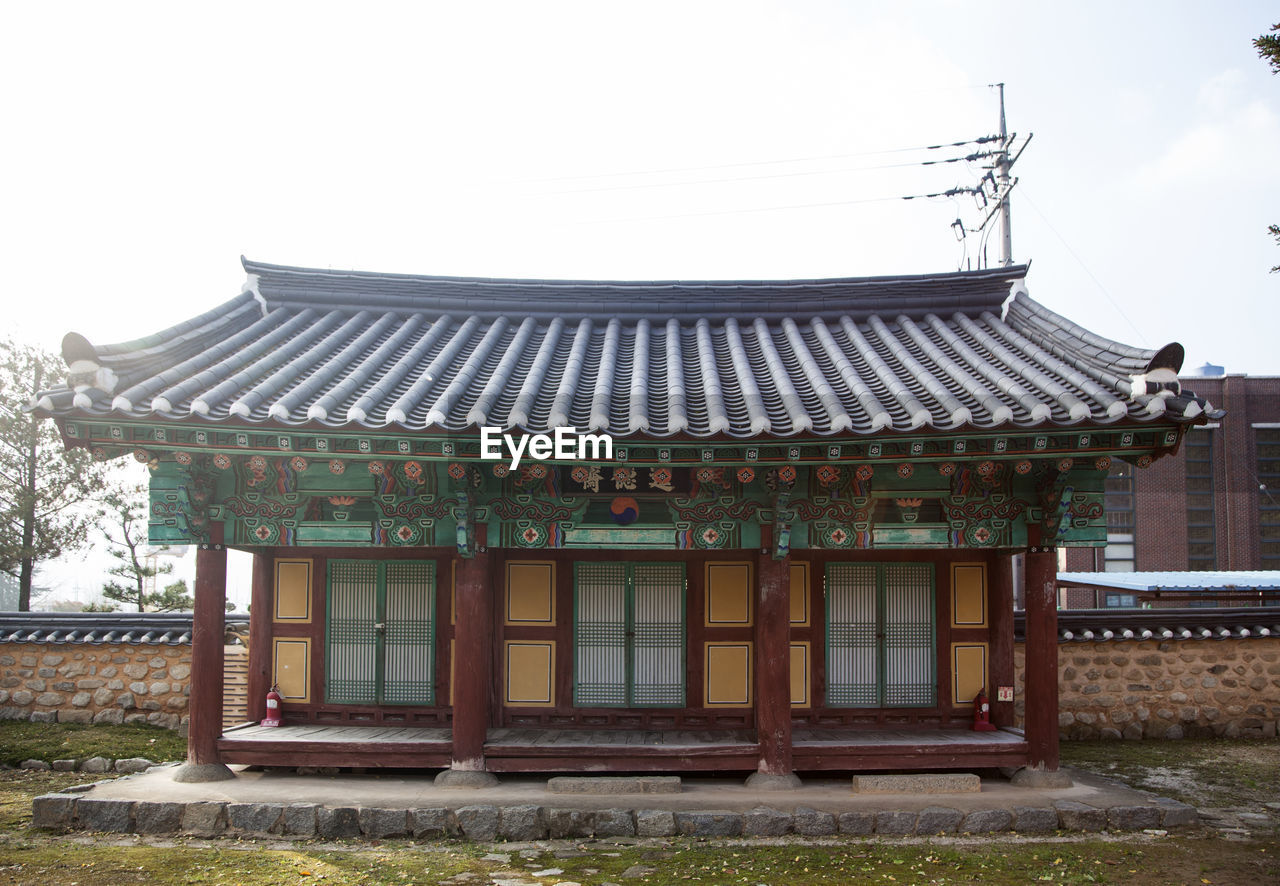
773	664
472	671
1041	692
208	626
1000	601
260	612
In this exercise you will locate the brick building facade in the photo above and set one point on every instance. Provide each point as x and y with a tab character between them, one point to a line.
1212	505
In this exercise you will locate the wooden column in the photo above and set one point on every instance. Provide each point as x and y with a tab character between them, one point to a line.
773	664
204	725
261	608
472	661
1000	603
1041	692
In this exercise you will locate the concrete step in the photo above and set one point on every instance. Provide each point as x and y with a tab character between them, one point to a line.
918	783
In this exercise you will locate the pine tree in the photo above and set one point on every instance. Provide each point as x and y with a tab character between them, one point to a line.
45	488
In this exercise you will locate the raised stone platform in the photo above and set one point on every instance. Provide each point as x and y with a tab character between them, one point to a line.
526	809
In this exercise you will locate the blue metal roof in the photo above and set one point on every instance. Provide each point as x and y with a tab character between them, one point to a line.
1175	581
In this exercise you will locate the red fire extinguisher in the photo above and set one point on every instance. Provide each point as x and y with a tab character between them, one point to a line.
273	708
982	712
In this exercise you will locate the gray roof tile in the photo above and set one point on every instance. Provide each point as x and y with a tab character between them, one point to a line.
659	359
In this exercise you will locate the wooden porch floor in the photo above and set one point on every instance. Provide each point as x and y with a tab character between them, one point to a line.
581	750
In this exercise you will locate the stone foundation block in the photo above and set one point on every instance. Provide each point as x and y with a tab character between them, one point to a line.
984	821
1133	818
814	822
709	824
1073	816
53	810
859	823
35	764
300	819
615	823
94	814
521	823
378	823
157	818
941	820
895	822
1035	819
478	823
565	823
764	821
337	822
95	764
1176	814
430	824
64	765
204	818
255	818
655	823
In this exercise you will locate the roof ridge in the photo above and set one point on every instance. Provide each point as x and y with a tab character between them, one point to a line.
266	269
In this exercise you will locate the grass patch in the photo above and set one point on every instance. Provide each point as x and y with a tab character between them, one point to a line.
22	740
1142	861
19	787
1202	772
119	865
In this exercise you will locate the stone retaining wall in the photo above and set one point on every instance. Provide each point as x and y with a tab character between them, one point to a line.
486	823
1165	688
82	683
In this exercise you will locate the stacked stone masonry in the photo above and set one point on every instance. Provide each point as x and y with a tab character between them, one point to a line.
1115	689
487	823
73	683
1165	689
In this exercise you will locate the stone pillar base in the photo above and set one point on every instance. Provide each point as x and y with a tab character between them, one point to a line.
192	773
466	778
763	781
1040	778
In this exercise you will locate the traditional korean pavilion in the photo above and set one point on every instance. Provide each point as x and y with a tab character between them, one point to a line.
778	537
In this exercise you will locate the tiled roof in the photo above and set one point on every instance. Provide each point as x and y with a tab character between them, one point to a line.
697	359
160	628
1102	625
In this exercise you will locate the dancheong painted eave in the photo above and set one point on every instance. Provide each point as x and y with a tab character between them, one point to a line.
669	359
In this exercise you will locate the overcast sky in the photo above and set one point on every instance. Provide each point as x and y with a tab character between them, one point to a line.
147	146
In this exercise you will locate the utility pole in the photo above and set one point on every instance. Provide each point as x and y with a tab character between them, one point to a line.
1002	167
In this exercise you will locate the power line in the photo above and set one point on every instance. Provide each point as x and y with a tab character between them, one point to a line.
948	193
709	181
981	140
1080	261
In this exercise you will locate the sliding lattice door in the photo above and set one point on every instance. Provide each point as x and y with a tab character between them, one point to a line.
380	632
629	635
881	641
